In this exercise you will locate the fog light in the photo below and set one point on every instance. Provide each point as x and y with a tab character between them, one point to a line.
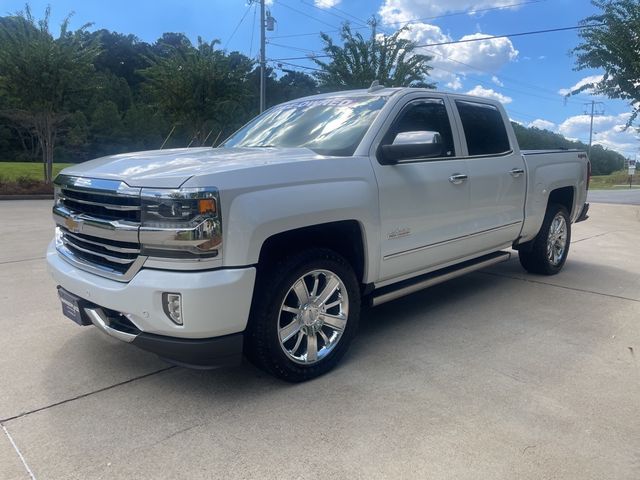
172	306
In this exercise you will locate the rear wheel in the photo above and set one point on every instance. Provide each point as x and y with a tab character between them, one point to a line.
304	316
548	251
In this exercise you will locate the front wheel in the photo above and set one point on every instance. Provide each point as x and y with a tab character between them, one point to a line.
548	251
304	316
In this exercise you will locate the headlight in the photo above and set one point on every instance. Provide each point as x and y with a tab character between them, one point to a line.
182	223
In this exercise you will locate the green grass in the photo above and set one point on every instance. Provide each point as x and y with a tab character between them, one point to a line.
11	171
616	180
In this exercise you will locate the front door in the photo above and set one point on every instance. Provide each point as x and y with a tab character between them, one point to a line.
424	202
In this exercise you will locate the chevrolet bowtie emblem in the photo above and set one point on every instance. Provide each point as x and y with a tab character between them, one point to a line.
73	225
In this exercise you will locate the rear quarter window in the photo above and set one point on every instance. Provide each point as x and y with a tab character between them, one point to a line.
483	127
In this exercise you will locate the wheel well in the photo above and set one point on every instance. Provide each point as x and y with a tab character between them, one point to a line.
562	196
344	237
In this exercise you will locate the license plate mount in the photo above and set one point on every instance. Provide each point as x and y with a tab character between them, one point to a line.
72	307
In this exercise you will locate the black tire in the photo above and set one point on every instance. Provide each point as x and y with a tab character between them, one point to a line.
262	341
533	257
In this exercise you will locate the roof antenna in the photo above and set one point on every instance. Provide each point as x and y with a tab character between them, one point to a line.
375	86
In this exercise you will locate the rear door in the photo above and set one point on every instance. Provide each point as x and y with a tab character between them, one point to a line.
497	176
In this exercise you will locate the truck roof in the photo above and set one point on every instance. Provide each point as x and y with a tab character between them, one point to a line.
387	92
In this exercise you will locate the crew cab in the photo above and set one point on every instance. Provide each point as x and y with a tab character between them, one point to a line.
270	243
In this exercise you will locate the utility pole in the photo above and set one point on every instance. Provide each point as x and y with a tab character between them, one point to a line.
593	113
263	85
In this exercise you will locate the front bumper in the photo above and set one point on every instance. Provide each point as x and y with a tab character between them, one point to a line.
215	307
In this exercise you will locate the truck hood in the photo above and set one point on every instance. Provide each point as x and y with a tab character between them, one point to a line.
171	168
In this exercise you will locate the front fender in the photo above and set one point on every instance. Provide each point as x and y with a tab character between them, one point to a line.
255	216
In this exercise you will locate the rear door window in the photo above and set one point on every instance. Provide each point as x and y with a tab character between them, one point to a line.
484	128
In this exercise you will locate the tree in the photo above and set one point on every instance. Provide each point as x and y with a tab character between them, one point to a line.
122	56
42	78
391	60
293	85
613	45
202	88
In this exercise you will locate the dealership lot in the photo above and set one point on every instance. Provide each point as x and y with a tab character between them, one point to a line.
499	374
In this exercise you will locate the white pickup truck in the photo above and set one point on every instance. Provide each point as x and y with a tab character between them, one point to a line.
270	243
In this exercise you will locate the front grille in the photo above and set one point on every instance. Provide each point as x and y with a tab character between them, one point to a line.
101	205
98	224
112	254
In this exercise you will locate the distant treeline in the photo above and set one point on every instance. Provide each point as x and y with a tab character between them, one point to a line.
603	161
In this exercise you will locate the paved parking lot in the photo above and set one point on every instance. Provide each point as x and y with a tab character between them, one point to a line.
497	375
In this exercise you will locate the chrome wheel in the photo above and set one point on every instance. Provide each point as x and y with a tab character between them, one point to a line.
313	316
557	239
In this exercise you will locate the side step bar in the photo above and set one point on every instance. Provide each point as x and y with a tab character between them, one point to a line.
392	292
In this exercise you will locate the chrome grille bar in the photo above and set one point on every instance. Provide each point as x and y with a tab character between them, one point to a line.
113	248
110	258
124	208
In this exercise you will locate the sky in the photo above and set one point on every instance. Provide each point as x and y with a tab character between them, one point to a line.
529	74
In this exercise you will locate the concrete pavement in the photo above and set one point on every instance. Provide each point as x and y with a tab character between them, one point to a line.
499	374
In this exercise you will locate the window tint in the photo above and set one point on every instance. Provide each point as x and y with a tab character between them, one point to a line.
427	120
483	128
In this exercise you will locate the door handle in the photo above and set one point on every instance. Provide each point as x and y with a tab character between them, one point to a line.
516	172
457	178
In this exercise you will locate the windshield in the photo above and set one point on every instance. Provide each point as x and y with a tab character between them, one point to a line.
328	126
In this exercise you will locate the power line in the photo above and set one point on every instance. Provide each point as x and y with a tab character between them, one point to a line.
291	47
417	20
509	35
480	39
363	22
304	13
324	10
534	87
298	66
487	84
445	57
237	26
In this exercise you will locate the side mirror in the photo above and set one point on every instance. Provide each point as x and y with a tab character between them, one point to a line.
408	145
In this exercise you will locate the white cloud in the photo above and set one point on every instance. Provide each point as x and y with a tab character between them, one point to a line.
543	124
608	131
581	83
453	61
455	83
406	10
480	91
326	3
497	81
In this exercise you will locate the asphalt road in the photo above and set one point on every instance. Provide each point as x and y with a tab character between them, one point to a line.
497	375
621	196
